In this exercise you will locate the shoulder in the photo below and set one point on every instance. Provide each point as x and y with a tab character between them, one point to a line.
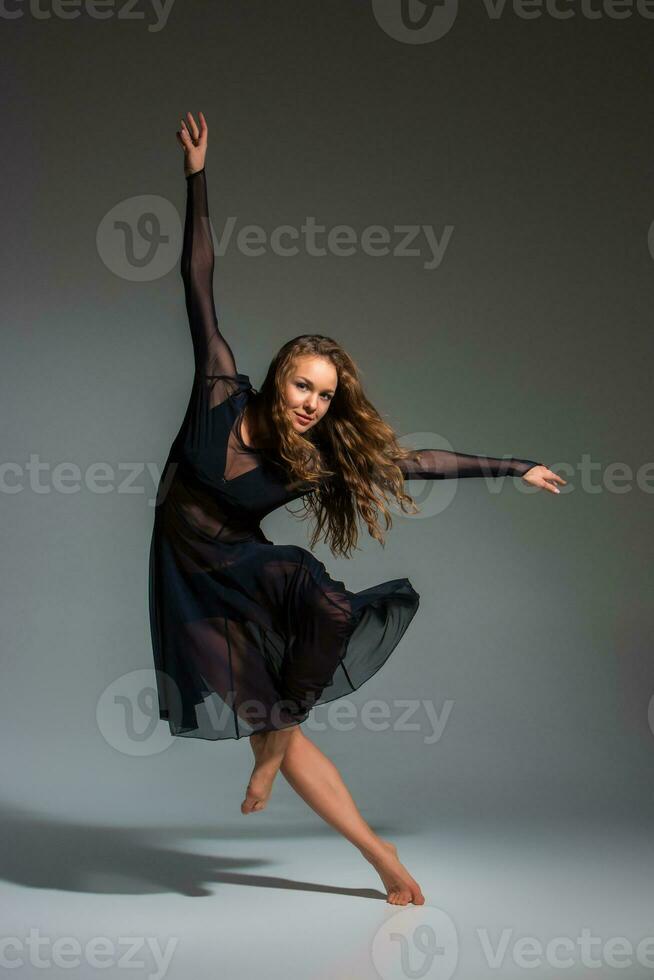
238	384
229	392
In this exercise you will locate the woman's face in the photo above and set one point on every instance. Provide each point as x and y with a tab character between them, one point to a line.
309	390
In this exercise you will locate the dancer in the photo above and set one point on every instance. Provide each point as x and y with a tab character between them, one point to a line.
248	636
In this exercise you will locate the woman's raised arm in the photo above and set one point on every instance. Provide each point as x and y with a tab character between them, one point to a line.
213	355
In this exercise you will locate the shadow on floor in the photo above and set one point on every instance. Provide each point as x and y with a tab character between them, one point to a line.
41	851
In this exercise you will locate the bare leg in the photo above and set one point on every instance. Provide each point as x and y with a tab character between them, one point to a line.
317	780
268	749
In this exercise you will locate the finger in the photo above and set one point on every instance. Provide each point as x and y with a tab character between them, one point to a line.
194	126
187	136
204	129
180	140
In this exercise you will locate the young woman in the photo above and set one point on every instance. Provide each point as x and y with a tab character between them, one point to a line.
248	635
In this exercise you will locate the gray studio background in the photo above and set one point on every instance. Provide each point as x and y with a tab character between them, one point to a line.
530	139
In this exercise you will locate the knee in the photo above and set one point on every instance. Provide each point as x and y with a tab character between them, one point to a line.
296	733
296	742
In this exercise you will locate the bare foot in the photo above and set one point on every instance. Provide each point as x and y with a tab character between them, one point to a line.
401	888
269	749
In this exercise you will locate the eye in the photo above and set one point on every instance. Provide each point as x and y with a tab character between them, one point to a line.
303	384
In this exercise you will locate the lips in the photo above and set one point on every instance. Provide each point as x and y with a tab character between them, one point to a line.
304	418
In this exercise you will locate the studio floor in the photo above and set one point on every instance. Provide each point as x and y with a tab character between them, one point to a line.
278	898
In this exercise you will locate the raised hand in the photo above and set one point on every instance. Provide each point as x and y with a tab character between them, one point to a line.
540	476
193	140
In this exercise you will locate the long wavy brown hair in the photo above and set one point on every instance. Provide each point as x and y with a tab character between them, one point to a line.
346	463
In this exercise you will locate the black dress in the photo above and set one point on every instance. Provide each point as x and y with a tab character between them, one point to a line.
248	635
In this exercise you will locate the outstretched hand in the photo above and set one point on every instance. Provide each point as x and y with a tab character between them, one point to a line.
540	476
193	140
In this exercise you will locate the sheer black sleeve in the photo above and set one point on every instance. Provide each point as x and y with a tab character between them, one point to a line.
441	464
214	360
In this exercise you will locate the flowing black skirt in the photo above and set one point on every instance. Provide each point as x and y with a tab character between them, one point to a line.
249	636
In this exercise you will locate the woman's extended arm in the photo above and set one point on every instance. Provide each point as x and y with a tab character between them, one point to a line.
213	355
441	464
